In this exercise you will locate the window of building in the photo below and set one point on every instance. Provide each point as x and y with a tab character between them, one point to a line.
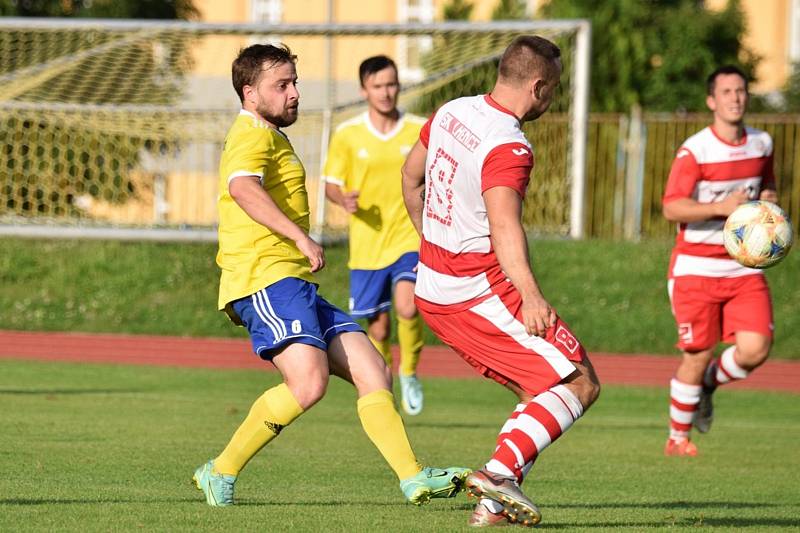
410	50
269	11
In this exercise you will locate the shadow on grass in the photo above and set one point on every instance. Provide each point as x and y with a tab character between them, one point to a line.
728	523
664	505
318	503
674	521
53	501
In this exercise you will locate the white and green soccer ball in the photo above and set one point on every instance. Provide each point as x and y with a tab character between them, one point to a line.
758	234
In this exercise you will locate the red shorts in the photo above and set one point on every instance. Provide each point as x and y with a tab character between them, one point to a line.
491	337
708	310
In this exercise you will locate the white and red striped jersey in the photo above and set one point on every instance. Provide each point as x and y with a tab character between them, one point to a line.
473	144
708	169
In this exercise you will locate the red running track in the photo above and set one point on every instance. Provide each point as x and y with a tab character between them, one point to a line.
440	361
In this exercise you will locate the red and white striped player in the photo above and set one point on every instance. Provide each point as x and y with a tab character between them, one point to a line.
713	297
464	183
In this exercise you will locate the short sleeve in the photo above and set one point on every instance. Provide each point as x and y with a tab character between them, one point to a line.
337	162
425	132
768	176
507	165
683	176
248	154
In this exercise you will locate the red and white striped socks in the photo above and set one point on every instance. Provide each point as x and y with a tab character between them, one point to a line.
724	369
531	428
683	405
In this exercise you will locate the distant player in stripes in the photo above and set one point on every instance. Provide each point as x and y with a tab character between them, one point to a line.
464	183
362	174
713	297
267	285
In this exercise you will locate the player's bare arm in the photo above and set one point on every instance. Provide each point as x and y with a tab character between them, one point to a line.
504	209
687	210
414	183
347	200
254	200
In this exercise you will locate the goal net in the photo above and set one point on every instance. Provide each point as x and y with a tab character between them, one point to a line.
114	129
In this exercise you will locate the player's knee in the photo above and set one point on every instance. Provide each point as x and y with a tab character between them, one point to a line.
406	311
379	329
698	358
590	392
753	354
310	391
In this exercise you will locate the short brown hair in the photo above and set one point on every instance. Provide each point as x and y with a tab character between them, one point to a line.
372	65
711	81
251	62
526	55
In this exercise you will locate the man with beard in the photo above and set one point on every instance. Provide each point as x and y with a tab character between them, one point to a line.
267	285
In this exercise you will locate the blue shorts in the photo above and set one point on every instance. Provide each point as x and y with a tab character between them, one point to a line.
290	311
371	290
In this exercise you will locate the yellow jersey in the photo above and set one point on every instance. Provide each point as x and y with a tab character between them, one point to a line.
252	256
360	158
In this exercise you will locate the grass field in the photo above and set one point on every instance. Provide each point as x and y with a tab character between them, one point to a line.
112	448
613	294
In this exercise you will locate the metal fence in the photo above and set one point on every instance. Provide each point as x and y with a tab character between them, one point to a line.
629	158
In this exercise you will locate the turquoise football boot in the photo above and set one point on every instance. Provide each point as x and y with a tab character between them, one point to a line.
218	488
434	483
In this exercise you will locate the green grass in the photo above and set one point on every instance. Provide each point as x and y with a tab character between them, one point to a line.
112	448
613	294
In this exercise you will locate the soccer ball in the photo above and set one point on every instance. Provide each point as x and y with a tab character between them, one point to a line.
758	234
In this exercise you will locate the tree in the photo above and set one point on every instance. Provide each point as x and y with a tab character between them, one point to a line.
791	93
656	53
450	51
509	10
72	158
458	10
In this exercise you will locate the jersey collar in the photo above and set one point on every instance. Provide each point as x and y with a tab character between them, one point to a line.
493	103
723	141
389	134
267	124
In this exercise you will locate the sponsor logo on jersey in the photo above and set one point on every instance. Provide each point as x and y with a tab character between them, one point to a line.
363	154
459	132
683	152
405	149
520	151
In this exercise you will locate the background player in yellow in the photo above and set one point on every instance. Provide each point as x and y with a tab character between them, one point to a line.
362	174
267	285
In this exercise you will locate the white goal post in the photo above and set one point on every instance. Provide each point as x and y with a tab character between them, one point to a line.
112	128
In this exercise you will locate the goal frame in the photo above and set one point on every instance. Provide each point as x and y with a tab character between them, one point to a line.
578	119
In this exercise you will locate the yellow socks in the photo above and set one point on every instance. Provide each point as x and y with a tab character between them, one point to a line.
385	429
274	410
384	348
409	333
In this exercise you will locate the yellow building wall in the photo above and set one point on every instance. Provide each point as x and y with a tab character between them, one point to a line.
348	53
768	36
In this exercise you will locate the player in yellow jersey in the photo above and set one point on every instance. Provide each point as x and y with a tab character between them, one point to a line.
362	174
267	285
